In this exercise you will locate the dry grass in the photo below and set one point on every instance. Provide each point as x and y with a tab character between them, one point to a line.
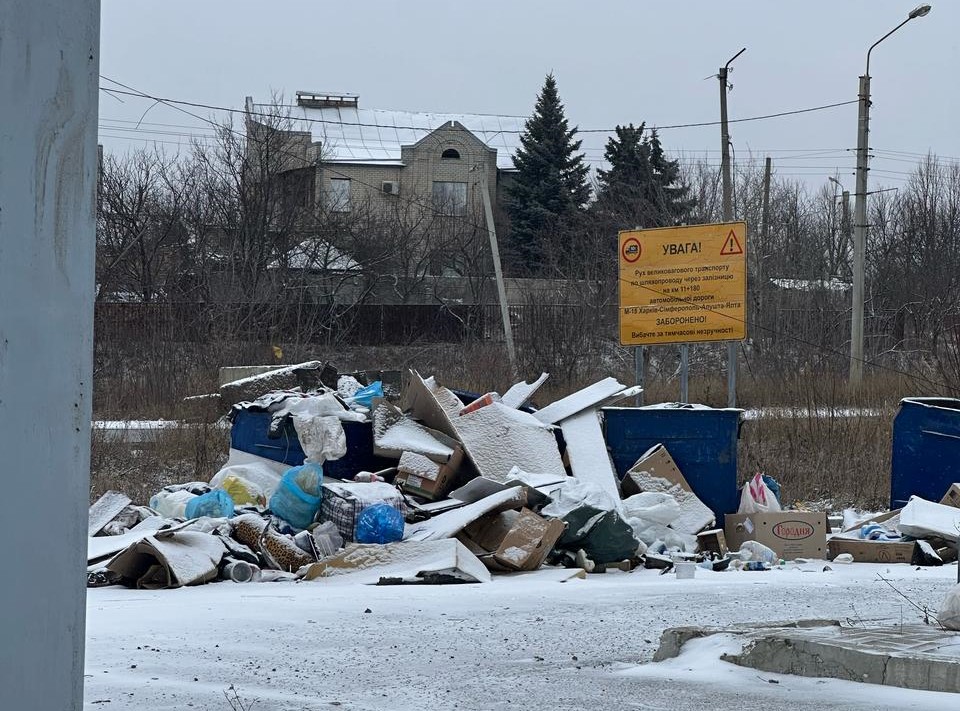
841	459
178	454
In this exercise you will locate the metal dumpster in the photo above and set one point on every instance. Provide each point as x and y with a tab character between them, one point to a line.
702	441
926	449
249	434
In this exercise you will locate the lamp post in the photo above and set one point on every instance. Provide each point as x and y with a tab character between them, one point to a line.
727	211
860	210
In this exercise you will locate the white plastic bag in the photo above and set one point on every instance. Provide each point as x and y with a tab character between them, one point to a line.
171	504
264	473
752	550
653	506
950	612
322	438
757	497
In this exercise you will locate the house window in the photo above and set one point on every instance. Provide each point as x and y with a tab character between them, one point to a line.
338	198
450	198
451	154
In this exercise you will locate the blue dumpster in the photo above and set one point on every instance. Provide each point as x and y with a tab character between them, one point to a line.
702	441
249	433
926	449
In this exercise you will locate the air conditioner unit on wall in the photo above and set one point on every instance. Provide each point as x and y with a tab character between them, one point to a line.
390	187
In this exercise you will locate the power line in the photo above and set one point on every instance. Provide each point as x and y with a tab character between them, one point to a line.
435	210
341	122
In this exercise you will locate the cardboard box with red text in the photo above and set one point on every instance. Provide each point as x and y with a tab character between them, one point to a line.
790	534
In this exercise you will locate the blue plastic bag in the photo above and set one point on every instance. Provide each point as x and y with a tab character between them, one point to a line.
216	504
381	523
774	486
364	396
297	498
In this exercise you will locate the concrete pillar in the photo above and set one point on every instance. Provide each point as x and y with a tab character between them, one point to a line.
49	61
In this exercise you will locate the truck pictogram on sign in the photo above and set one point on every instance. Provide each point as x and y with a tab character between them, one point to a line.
631	250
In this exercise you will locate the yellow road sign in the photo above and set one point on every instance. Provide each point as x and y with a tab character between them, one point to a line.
683	284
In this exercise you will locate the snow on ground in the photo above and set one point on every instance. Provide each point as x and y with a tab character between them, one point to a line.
521	642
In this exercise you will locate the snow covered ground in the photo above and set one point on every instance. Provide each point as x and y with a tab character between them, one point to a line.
521	642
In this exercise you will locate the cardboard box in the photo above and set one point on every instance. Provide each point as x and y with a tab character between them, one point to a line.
952	497
656	462
713	541
790	534
513	540
871	551
656	471
422	476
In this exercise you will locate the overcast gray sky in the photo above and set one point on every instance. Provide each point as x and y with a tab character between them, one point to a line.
615	62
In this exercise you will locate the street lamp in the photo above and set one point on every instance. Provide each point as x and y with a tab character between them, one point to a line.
860	210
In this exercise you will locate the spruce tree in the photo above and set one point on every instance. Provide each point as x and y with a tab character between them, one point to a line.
642	188
551	181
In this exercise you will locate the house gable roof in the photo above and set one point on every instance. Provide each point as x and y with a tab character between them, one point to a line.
371	136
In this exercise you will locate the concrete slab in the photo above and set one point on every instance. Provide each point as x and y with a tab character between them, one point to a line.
912	657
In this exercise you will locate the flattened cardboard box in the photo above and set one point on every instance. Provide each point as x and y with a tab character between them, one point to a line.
513	540
872	551
790	534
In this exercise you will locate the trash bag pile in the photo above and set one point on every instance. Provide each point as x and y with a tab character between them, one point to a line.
405	481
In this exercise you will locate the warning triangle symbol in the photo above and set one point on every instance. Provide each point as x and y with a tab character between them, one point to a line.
731	245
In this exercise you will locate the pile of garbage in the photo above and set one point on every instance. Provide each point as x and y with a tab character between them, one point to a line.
390	478
921	533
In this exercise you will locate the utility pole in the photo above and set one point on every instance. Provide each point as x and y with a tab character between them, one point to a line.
497	270
860	235
728	212
860	210
49	65
764	241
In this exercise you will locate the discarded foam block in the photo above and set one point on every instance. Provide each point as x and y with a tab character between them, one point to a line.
403	561
104	510
587	451
520	393
495	438
589	397
922	519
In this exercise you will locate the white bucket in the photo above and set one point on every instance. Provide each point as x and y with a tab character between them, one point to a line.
685	569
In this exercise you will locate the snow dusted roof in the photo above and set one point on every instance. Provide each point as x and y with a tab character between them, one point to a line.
318	254
354	135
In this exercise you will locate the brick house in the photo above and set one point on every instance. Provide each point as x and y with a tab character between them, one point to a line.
379	159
